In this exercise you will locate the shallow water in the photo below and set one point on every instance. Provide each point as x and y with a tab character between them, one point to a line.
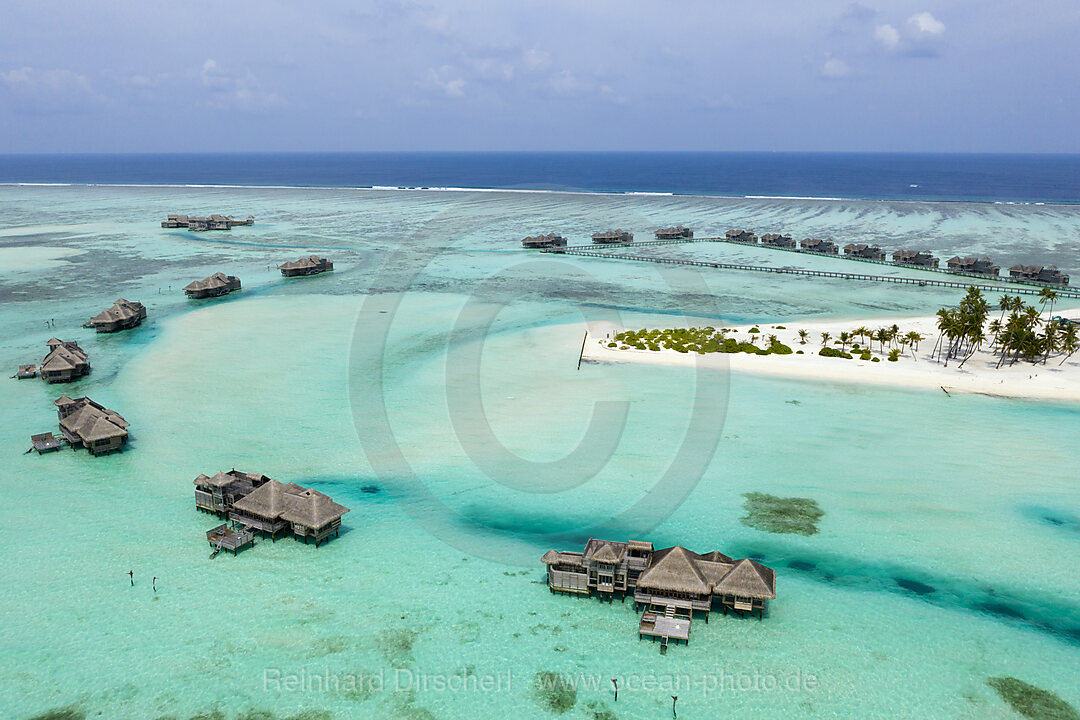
946	554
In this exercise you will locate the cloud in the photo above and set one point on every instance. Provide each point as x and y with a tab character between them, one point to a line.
835	68
35	90
927	23
448	81
28	78
536	59
887	35
242	92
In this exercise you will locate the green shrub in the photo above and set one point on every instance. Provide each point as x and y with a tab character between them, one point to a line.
753	330
833	352
799	352
875	359
611	344
865	355
779	349
779	327
894	355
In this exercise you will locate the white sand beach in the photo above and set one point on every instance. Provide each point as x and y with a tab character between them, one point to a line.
980	374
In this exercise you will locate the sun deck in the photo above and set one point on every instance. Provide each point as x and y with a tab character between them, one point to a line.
223	537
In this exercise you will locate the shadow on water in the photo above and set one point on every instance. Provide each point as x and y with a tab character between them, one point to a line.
1055	616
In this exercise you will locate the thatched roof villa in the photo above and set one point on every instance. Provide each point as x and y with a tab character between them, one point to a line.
219	493
537	242
674	233
864	251
201	223
1038	273
817	245
213	286
778	240
122	315
275	507
668	584
608	237
978	266
310	265
66	361
743	236
917	258
95	427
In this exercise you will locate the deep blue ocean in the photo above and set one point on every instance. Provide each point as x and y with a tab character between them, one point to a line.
873	176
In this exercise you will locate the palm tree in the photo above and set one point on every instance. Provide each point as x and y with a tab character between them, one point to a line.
914	339
845	338
802	337
1069	342
1046	295
825	339
773	340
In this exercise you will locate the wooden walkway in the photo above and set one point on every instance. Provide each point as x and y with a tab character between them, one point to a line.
588	251
1015	285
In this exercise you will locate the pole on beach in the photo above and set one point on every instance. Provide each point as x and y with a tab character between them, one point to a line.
131	577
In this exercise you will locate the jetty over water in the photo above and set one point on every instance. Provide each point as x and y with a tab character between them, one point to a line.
667	585
1003	286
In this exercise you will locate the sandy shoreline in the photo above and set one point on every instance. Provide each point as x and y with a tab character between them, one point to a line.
979	374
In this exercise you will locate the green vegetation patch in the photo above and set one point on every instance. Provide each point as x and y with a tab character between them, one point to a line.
554	692
701	341
781	515
1032	702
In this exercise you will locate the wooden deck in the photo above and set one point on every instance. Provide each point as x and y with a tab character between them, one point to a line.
222	537
45	442
26	371
665	624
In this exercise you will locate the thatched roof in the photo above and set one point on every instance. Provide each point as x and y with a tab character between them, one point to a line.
605	551
91	421
311	261
63	401
311	508
750	579
217	280
63	356
556	557
291	502
674	569
121	310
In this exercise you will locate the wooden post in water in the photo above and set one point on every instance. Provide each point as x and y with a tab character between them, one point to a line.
583	341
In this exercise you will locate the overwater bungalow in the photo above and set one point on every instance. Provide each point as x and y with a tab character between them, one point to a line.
66	361
674	233
916	258
979	266
612	236
1038	273
310	265
122	315
864	251
213	286
219	493
743	236
175	221
202	223
93	426
778	240
276	507
668	585
537	242
823	247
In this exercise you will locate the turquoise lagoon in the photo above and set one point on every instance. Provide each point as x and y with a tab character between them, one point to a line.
947	553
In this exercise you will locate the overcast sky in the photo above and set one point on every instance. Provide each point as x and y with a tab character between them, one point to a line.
248	75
